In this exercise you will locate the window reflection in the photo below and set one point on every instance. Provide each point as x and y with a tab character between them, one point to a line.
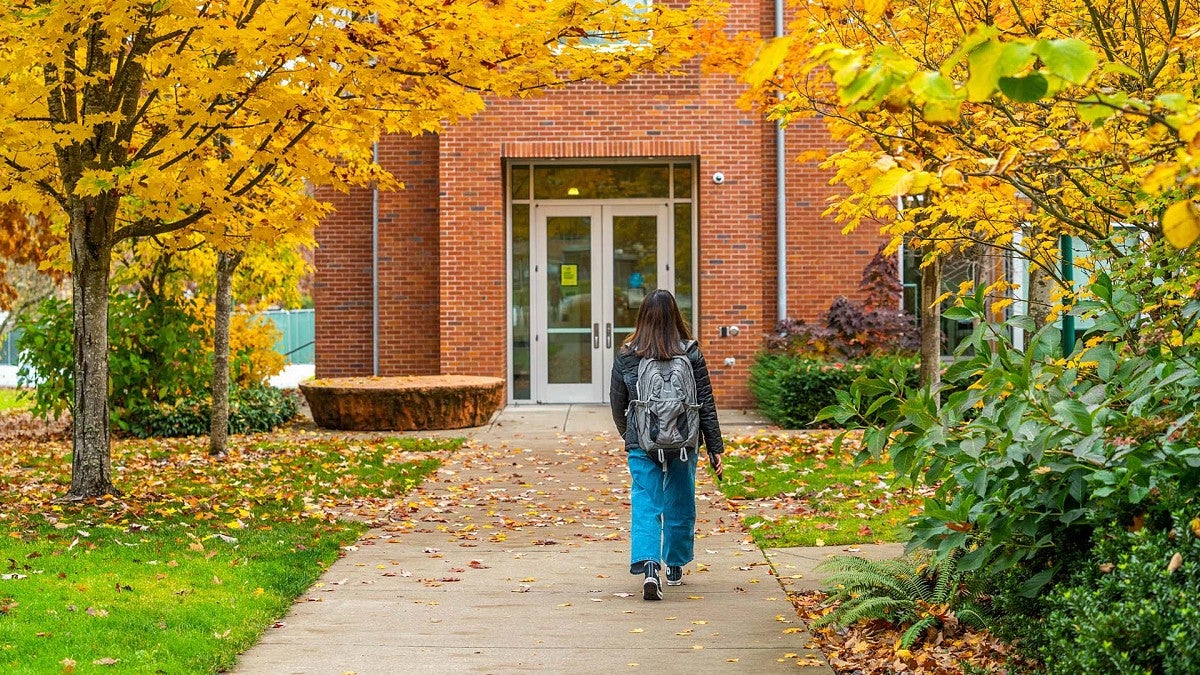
520	301
683	261
617	181
520	182
635	269
683	181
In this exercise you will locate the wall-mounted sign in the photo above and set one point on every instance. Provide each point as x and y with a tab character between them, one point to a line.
570	275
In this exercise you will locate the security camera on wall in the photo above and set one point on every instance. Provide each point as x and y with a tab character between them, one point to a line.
718	178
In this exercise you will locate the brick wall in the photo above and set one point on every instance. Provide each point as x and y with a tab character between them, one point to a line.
822	262
342	287
647	117
408	258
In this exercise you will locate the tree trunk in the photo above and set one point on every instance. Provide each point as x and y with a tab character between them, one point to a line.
931	324
91	256
218	435
1041	288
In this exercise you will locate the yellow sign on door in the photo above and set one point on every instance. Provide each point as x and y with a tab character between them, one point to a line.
570	275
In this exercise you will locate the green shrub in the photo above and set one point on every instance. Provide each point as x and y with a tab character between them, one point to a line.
1033	451
160	366
251	410
791	390
155	354
261	409
1125	611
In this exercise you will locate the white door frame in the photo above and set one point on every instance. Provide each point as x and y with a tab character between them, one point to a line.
604	343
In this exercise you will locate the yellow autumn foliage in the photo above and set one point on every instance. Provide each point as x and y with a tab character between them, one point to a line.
1004	125
252	338
215	120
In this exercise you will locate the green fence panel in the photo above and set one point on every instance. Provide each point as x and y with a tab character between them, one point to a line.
296	334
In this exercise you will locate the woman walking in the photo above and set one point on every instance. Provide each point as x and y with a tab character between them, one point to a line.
663	497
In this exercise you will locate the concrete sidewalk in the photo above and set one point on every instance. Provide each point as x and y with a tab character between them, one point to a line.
514	558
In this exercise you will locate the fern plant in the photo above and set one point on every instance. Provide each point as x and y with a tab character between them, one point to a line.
914	590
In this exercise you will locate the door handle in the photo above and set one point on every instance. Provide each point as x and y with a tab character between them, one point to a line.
595	336
608	336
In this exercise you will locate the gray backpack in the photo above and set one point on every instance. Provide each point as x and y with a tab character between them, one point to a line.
665	412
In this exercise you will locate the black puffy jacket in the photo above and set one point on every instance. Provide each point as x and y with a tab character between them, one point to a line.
624	388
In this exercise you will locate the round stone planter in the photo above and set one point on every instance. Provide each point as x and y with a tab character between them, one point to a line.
414	403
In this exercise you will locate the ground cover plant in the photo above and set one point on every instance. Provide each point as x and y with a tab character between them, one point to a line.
798	490
195	560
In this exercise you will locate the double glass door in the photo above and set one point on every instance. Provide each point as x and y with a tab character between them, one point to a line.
594	265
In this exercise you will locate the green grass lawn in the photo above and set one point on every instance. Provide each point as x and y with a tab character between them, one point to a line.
10	400
194	562
795	491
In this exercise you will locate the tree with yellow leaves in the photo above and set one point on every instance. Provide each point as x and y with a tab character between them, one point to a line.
138	118
997	124
259	274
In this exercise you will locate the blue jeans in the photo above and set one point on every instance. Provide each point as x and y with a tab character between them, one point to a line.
663	527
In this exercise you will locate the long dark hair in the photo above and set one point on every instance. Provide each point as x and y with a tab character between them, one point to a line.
660	332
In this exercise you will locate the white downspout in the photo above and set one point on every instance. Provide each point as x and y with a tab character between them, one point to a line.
375	268
781	276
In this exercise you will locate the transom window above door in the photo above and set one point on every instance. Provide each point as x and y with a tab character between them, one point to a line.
611	181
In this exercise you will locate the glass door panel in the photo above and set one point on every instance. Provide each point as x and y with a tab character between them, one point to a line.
569	299
568	270
637	260
635	270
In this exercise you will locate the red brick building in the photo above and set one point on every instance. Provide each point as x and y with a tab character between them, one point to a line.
527	236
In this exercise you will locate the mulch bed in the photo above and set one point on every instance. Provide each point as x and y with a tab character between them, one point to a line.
874	648
23	426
